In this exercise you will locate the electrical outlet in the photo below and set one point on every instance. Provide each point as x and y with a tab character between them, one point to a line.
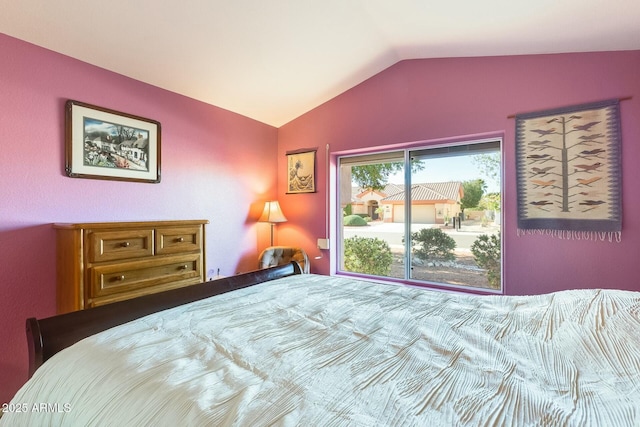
323	243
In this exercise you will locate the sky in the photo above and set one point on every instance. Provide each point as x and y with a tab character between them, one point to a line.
459	168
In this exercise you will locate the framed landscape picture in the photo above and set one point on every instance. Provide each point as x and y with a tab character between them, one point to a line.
301	166
107	144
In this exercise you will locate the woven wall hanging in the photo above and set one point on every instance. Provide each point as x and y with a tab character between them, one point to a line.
568	170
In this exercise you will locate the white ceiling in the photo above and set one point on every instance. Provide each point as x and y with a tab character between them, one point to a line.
273	60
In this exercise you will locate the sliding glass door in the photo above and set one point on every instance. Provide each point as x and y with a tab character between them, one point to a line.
371	238
425	215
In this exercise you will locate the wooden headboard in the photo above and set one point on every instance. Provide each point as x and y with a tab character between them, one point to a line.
46	337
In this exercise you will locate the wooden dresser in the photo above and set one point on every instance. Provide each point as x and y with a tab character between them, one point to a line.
100	263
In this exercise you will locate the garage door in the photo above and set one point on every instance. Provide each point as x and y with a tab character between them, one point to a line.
420	214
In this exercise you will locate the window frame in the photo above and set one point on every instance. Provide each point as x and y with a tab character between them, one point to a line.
406	150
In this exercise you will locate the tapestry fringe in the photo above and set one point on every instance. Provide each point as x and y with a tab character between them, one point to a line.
577	235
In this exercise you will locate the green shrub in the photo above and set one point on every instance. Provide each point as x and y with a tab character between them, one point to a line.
354	220
486	251
433	243
347	210
366	217
368	255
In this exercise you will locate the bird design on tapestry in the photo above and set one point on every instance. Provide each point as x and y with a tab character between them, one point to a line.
588	168
541	183
592	152
585	126
541	171
540	158
592	202
589	181
543	132
537	143
540	145
591	137
588	193
540	204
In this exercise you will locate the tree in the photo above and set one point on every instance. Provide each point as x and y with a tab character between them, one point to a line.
376	176
473	191
489	166
490	201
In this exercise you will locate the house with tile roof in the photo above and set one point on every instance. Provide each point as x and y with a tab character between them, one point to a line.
432	203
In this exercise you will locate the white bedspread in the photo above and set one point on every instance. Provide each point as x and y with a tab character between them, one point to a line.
313	350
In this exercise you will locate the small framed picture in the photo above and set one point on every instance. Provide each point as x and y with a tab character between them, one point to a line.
107	144
301	171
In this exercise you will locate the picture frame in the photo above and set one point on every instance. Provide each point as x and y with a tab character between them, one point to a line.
106	144
301	171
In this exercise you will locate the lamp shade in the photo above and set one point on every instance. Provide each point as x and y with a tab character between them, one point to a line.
272	213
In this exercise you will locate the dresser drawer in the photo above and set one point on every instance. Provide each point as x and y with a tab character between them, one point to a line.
125	278
115	245
103	262
178	239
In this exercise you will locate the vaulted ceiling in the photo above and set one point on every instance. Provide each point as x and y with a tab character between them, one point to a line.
275	60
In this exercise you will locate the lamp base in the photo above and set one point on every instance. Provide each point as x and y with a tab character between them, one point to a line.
272	225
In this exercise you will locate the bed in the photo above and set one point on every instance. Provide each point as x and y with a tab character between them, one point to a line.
280	348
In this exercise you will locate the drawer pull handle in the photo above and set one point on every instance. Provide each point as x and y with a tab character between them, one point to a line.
120	278
125	244
184	267
180	239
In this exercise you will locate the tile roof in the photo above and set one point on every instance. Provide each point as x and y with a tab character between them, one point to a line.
422	191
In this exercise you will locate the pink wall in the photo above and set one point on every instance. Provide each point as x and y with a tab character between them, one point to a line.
424	100
216	165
